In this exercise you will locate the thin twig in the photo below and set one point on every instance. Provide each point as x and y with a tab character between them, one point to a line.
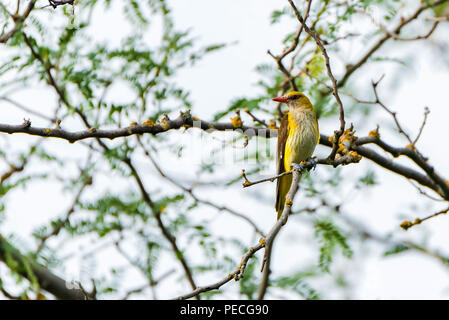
422	192
396	36
18	21
26	109
351	68
319	43
238	273
290	49
193	195
426	114
408	224
262	122
247	183
393	114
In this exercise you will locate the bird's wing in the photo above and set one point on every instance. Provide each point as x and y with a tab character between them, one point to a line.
282	139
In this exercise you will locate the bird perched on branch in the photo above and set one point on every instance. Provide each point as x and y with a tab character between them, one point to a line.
298	136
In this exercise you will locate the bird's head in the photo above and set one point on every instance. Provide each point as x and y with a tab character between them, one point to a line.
295	99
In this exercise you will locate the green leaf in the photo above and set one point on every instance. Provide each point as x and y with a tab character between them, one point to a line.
330	238
396	249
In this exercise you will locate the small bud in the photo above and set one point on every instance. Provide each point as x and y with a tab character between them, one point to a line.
405	225
237	121
374	134
148	122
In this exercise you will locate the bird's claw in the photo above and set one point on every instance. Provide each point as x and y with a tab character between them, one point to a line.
312	162
298	167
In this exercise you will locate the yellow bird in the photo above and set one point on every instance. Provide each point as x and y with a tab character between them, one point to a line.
298	136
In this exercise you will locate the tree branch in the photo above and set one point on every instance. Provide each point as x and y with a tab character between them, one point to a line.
351	68
31	270
267	243
194	196
185	120
407	224
18	21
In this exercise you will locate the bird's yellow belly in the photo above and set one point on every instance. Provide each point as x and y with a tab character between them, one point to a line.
301	142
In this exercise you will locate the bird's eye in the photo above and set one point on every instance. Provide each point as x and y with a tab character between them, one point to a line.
294	97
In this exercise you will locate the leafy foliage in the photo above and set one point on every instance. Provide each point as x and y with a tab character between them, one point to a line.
297	283
330	239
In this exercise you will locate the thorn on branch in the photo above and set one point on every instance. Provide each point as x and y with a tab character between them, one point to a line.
26	123
186	116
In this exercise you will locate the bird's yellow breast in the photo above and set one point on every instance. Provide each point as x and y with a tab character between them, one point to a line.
303	136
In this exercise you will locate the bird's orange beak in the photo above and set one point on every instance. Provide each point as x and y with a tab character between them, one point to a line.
282	99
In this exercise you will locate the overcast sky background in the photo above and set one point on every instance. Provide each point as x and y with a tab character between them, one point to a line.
228	74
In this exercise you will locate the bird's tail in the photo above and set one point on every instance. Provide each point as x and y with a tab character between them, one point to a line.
284	187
